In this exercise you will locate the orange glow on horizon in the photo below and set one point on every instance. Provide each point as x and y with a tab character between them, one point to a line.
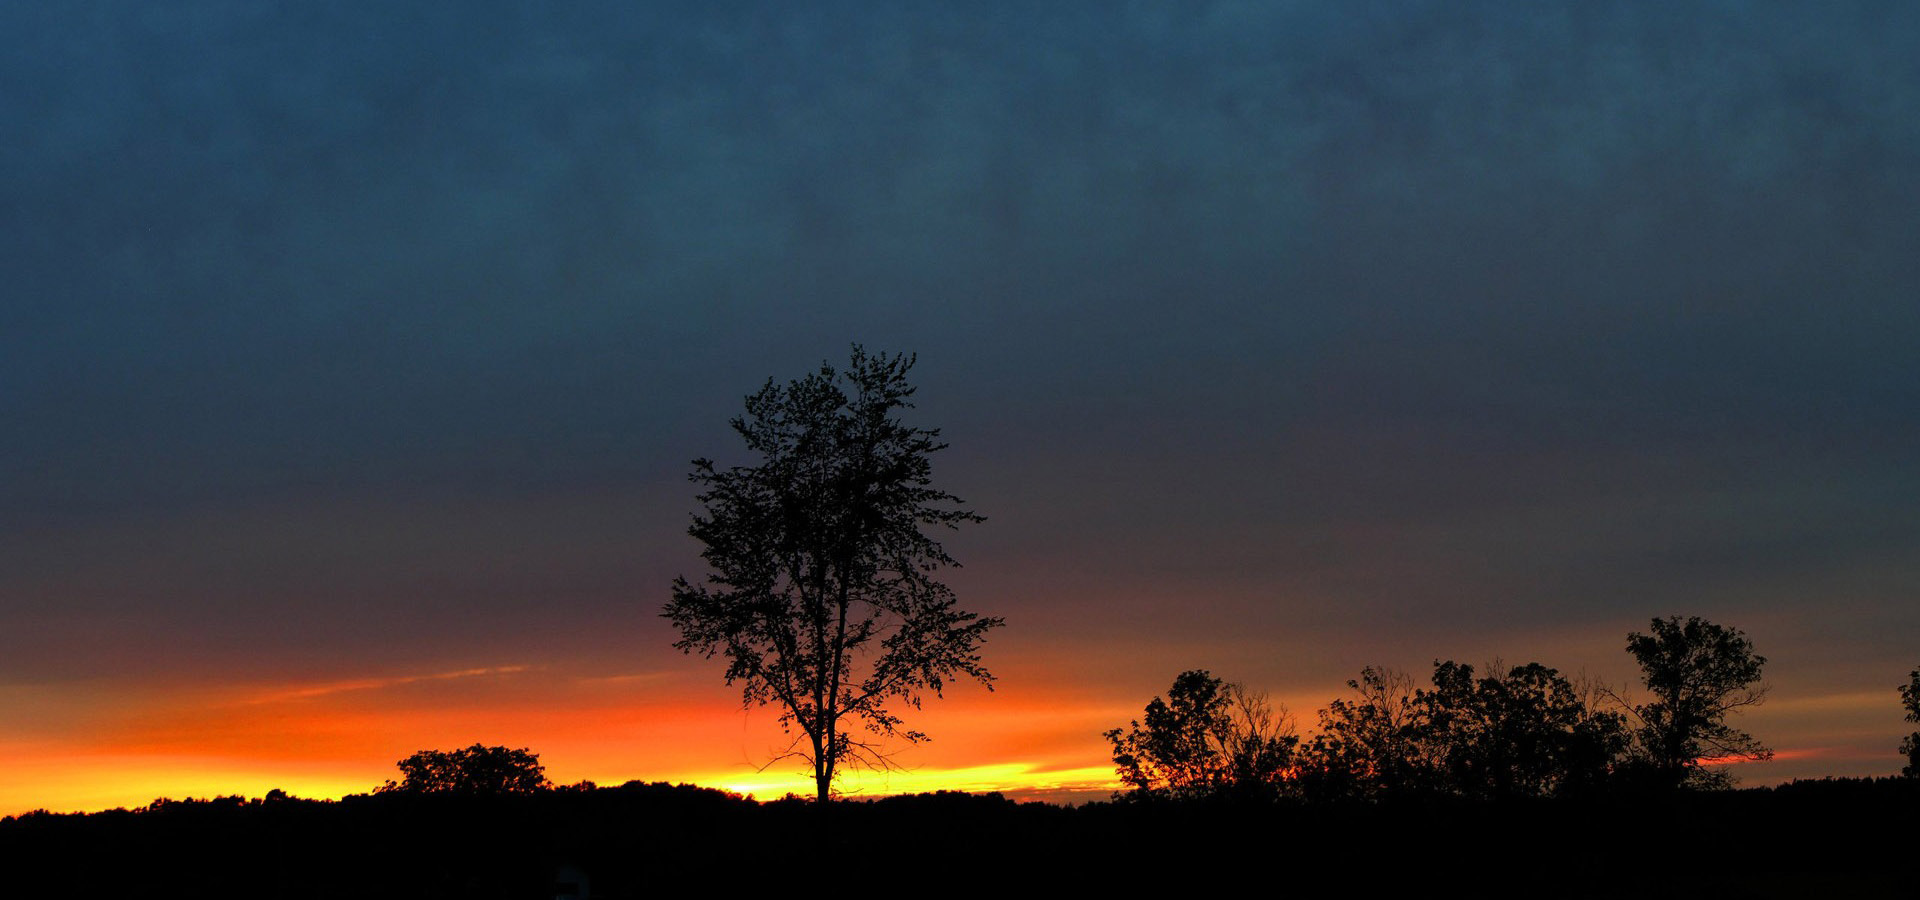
327	739
1776	756
87	746
1016	779
109	782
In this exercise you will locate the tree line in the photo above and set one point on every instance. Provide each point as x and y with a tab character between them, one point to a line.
1510	732
1515	732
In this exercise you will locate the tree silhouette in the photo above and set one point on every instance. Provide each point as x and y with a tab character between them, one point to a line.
472	770
1208	738
1259	744
822	596
1910	745
1699	673
1519	732
1525	732
1371	745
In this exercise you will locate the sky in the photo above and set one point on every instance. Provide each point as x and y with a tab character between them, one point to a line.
353	356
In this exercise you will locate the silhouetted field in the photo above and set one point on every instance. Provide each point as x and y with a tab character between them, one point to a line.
1832	838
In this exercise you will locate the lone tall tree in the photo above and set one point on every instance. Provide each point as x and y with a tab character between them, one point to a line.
821	595
1699	673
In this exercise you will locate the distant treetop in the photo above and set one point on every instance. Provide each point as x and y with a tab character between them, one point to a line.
474	770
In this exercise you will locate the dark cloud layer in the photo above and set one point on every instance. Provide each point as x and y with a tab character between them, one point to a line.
1302	314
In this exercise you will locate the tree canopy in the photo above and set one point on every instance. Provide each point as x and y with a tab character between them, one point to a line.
1523	731
1208	738
1369	744
472	770
822	596
1699	673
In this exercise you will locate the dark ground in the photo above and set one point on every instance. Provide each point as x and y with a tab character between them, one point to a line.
1832	838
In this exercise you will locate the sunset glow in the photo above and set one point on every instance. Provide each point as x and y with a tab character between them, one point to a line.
330	738
354	359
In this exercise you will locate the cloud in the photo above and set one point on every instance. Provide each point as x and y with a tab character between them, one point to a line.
308	692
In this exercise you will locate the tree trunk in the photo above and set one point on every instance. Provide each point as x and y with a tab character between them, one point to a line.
822	768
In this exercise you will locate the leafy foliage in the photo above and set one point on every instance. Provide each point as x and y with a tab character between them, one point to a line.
1526	732
1522	732
1208	738
1369	745
821	596
1699	673
473	770
1910	745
